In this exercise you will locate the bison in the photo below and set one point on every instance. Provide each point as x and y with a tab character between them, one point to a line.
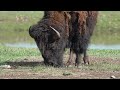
51	35
81	26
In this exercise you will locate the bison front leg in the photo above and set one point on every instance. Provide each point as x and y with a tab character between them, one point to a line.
85	58
78	59
70	58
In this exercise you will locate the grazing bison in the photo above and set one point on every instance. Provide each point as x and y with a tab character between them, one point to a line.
81	29
51	35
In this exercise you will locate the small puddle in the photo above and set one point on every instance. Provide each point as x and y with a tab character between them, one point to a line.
91	46
101	47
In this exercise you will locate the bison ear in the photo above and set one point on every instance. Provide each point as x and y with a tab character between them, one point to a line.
54	35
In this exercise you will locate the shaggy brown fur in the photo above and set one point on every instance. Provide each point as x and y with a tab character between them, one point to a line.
50	45
81	29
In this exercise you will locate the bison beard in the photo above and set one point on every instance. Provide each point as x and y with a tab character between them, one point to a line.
50	35
81	29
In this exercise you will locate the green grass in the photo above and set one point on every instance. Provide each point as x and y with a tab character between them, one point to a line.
105	53
107	30
9	21
16	54
17	31
11	54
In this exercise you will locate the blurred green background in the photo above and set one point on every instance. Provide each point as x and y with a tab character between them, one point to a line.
14	27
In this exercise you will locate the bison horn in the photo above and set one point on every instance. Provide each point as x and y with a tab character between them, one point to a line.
55	31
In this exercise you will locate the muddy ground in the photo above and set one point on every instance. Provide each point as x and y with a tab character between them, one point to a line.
34	68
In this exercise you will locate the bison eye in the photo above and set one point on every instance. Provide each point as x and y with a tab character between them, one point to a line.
51	39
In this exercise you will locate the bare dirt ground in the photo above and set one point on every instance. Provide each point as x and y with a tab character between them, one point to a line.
33	68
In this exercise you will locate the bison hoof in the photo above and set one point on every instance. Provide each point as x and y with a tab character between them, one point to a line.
86	60
68	63
77	65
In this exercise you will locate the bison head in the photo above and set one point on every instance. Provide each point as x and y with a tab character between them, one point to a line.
51	41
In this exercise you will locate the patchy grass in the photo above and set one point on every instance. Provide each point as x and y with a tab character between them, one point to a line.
18	54
10	53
